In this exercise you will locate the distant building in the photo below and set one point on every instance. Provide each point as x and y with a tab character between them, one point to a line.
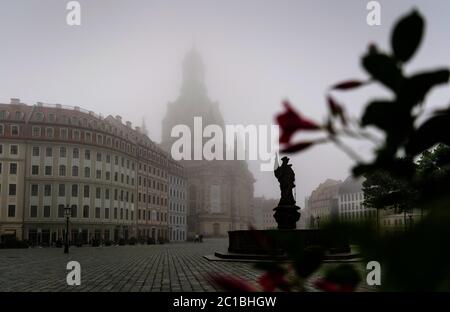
391	220
323	203
263	213
220	191
178	202
113	177
351	199
302	223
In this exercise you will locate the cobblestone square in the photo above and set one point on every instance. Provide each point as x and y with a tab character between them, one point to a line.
140	268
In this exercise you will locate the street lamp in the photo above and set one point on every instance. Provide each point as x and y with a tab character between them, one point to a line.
67	213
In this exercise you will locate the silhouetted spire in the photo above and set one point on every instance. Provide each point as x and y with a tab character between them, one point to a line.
193	72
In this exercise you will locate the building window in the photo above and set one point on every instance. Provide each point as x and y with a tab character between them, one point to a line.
62	171
13	168
98	193
75	190
86	191
51	117
107	194
85	211
11	211
108	159
47	190
106	213
62	152
46	211
99	139
33	211
108	175
36	151
63	134
76	153
1	130
76	135
74	211
48	170
34	190
14	150
60	211
97	212
75	171
87	172
87	136
48	152
36	131
115	213
15	132
99	157
34	170
62	190
98	174
12	190
87	155
49	133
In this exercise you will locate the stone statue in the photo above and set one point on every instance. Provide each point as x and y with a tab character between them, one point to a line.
286	178
286	213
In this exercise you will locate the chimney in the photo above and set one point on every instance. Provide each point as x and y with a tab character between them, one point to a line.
15	101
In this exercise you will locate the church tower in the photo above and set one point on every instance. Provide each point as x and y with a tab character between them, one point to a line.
220	191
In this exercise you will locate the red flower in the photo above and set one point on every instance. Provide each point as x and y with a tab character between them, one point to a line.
328	286
269	281
231	283
336	110
290	122
349	84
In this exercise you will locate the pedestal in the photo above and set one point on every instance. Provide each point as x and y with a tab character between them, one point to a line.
287	216
274	244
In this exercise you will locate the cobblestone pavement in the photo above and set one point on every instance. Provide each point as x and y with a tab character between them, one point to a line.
169	267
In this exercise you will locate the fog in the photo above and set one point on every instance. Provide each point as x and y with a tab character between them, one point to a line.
125	59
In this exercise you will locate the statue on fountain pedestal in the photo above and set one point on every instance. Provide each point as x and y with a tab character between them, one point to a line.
286	213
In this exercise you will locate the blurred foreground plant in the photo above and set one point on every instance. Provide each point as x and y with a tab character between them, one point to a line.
407	172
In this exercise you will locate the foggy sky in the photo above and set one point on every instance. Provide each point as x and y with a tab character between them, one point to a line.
125	59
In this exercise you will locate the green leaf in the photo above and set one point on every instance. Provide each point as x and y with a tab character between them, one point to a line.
383	68
386	115
415	88
407	36
435	130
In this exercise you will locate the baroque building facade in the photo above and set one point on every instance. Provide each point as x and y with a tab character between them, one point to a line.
178	202
113	177
351	202
220	192
322	204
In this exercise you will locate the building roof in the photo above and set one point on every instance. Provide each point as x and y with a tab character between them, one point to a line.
351	185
